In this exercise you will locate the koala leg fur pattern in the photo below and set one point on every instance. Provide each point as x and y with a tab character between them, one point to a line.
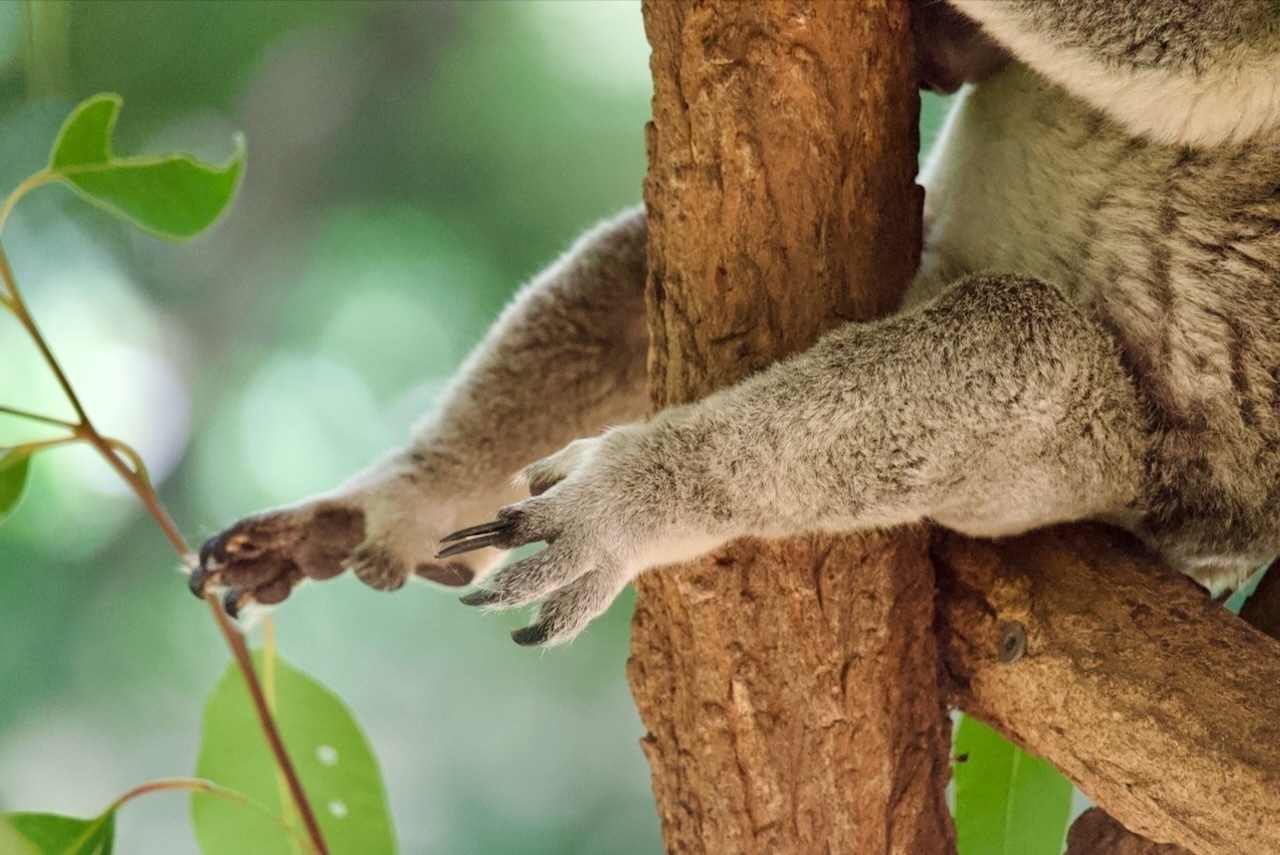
1010	410
564	360
1091	335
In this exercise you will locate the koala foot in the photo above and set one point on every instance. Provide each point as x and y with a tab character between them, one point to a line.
384	530
602	523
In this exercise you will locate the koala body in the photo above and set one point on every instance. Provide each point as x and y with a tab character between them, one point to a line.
1091	335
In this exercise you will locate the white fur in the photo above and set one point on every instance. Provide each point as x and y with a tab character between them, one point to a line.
1234	101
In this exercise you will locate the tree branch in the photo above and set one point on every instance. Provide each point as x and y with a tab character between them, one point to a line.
1156	701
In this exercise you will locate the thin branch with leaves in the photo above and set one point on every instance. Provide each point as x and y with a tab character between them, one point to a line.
82	159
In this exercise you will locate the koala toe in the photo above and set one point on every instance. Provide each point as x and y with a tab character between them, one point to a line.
564	614
549	471
451	574
262	558
532	579
379	567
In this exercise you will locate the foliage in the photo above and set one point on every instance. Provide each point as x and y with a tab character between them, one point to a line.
1007	801
51	834
15	467
175	196
338	768
178	196
410	165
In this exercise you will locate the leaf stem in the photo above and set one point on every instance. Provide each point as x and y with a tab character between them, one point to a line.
31	182
36	417
199	785
134	458
115	453
19	307
241	653
38	445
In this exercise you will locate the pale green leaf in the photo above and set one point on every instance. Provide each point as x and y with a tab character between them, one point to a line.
1007	801
53	834
172	196
12	843
338	770
15	466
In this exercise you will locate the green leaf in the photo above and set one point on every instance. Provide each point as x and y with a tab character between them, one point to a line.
338	770
1007	801
172	196
12	843
15	466
53	834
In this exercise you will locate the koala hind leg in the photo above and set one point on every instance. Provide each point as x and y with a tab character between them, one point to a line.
564	360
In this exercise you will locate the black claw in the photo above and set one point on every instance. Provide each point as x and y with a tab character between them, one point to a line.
212	548
231	602
531	636
481	597
198	578
472	544
483	528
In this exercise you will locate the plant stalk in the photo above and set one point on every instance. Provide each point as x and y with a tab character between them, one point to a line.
137	480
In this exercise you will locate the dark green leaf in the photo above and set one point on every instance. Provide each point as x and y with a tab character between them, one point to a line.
1007	801
333	758
15	466
173	196
52	834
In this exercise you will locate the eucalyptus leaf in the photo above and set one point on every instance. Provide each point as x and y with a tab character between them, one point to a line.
334	761
54	834
1008	802
12	843
15	466
172	196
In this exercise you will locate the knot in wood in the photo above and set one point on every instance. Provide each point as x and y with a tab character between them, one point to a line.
1013	641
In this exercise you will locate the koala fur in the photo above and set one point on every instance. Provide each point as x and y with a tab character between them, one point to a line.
1092	335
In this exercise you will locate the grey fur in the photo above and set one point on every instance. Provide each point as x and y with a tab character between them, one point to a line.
1093	334
1182	35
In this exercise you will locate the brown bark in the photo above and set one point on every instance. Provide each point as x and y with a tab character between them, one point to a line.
1262	610
1156	701
789	688
1096	833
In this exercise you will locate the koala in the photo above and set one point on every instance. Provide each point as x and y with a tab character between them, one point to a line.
1094	333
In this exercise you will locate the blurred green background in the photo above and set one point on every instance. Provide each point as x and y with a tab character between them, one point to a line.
409	165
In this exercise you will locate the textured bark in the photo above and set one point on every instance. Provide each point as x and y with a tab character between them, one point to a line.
1262	610
1157	702
789	688
1096	833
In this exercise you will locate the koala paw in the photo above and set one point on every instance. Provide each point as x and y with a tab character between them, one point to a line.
603	523
383	532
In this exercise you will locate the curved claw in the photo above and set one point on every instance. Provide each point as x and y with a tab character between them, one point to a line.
471	531
199	579
472	545
481	597
531	636
234	600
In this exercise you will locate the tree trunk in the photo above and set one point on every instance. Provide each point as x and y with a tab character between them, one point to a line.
789	688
